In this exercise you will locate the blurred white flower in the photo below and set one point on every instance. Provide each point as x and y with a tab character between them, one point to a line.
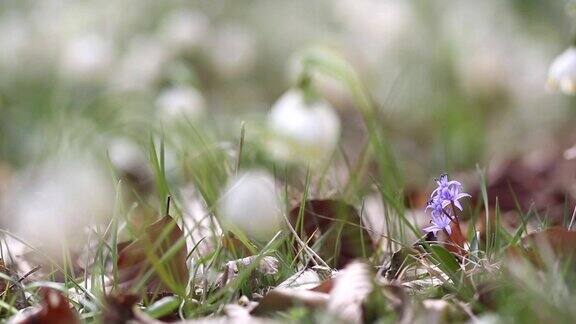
87	57
302	131
184	29
233	50
141	65
250	204
180	102
374	27
14	40
562	73
51	205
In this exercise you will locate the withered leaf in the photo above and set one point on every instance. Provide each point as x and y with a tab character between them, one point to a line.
343	236
279	299
560	241
55	309
351	287
119	308
161	246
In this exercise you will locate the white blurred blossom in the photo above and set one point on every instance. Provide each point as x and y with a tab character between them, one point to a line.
562	73
233	50
184	29
250	204
302	131
180	102
141	66
51	205
87	57
14	40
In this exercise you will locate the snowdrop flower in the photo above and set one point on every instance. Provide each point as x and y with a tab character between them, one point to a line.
180	102
301	130
184	30
562	72
250	205
141	66
50	205
233	50
87	57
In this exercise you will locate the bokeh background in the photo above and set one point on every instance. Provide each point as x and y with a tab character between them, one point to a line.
459	83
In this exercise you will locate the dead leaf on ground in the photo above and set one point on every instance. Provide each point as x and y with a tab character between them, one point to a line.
119	308
280	299
267	266
55	309
556	240
351	288
136	258
343	236
312	279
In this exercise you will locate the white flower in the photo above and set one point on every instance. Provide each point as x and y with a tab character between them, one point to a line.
50	206
141	66
250	204
302	131
562	73
184	30
233	50
87	57
180	102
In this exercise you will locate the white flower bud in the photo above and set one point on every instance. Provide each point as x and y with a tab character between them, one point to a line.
184	30
303	131
180	102
250	204
87	57
562	72
50	206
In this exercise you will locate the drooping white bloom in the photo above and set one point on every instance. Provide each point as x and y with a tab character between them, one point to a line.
141	66
184	29
562	72
50	206
302	131
251	205
233	50
87	57
180	102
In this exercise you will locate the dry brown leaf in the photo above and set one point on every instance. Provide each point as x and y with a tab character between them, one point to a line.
309	279
55	309
119	308
135	259
351	287
345	239
556	240
268	266
279	299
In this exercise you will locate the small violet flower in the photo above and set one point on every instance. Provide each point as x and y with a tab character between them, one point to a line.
448	193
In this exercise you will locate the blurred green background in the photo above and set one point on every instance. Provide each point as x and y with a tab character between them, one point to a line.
458	82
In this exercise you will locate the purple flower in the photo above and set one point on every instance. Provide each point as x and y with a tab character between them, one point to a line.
440	220
438	224
452	195
446	194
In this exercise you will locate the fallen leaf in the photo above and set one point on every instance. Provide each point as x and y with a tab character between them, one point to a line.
267	266
54	309
279	299
310	278
150	252
119	308
351	288
556	240
343	236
